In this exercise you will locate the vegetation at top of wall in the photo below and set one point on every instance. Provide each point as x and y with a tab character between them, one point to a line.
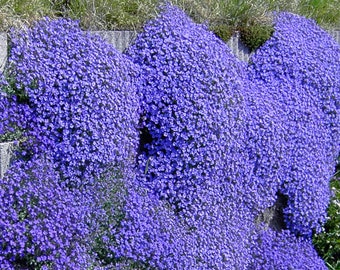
252	18
255	35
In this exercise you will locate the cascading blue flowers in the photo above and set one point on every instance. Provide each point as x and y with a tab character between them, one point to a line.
82	95
42	224
14	115
282	250
82	115
193	152
219	142
296	96
193	112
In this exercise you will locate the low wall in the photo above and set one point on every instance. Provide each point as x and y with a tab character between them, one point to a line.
3	50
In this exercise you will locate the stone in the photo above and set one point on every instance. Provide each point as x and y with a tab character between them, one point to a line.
6	154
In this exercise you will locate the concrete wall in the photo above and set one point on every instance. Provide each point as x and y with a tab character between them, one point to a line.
120	39
6	150
3	50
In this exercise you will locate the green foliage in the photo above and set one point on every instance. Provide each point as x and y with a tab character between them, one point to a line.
109	213
255	35
324	12
11	88
20	13
327	243
132	14
15	133
11	136
111	14
223	31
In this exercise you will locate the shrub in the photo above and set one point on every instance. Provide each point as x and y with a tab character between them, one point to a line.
296	73
42	223
255	35
150	236
107	199
153	236
217	147
82	95
223	31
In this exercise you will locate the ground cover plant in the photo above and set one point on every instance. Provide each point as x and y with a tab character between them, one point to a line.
187	159
308	137
42	223
76	87
165	156
52	76
13	120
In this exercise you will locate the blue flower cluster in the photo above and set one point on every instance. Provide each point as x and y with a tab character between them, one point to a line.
273	139
78	96
42	224
218	236
282	250
296	102
82	95
193	115
219	142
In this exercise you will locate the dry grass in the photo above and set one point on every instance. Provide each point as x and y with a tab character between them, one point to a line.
132	14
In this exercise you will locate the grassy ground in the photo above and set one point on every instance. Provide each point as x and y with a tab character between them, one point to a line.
132	14
252	18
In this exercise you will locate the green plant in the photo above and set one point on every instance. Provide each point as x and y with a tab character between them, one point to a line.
109	198
223	31
20	13
132	14
111	14
327	243
255	35
324	12
13	117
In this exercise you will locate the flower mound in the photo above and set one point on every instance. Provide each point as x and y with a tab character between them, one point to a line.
192	152
152	235
283	250
42	224
193	112
219	143
82	95
296	100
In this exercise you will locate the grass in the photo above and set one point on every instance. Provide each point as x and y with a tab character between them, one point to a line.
251	18
132	14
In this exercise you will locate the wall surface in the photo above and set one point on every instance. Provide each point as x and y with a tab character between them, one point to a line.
6	150
3	50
